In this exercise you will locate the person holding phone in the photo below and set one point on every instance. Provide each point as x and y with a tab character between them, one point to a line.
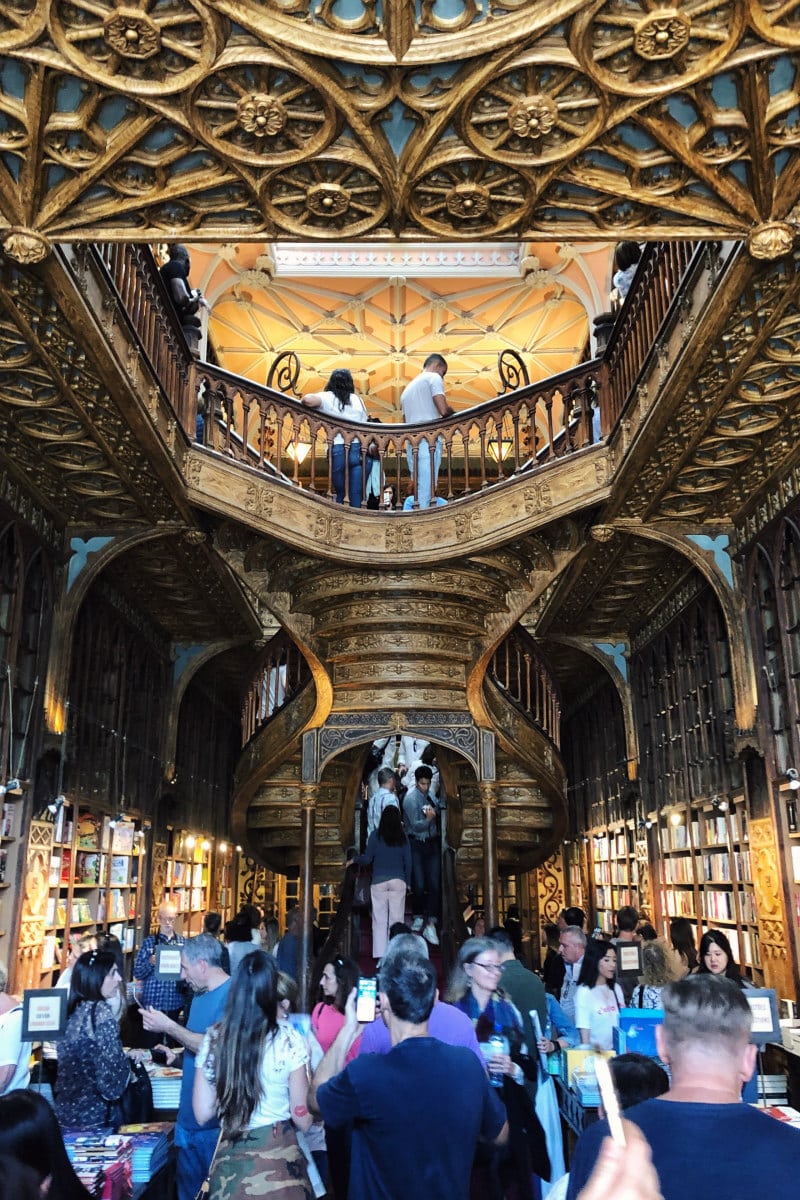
416	1112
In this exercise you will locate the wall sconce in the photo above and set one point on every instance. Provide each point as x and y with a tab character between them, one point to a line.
205	845
56	804
189	842
12	788
719	803
794	779
223	847
299	451
238	849
676	818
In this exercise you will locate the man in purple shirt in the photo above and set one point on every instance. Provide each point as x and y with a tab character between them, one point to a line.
446	1023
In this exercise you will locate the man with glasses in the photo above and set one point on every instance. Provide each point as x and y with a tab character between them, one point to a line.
166	995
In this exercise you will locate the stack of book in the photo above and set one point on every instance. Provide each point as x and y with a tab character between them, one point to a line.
151	1145
103	1164
166	1084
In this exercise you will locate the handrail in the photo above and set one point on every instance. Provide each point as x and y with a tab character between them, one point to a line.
281	673
524	676
134	276
482	446
662	270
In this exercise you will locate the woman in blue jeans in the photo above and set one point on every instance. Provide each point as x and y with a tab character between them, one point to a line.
340	400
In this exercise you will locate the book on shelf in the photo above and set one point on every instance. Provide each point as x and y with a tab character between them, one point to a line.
117	930
88	866
89	826
178	873
55	871
118	909
81	912
49	947
61	911
131	906
122	839
197	875
127	940
66	865
50	911
197	898
119	869
8	821
3	864
59	825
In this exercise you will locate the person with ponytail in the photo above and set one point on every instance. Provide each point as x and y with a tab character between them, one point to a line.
251	1073
339	399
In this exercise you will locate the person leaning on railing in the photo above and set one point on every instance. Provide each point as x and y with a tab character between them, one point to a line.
339	399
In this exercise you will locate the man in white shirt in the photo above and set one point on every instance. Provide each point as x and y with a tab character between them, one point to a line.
571	946
424	400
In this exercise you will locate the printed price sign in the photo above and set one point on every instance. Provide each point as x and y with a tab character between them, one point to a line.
44	1014
168	962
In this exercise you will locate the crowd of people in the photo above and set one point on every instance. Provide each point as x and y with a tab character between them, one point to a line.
430	1098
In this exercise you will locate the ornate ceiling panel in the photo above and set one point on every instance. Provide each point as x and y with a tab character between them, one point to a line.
335	119
381	325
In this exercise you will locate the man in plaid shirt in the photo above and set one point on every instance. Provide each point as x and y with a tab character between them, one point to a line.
152	992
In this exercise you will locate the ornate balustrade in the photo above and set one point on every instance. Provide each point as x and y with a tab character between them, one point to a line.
480	447
520	671
281	673
656	289
134	275
526	427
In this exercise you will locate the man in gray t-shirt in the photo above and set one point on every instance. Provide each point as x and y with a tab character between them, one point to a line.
424	400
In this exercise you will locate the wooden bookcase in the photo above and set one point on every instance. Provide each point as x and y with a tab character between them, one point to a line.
11	815
704	874
94	883
614	872
187	879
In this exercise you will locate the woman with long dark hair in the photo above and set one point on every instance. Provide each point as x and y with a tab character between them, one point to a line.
93	1068
30	1135
716	958
250	1071
339	399
389	855
681	934
339	977
598	999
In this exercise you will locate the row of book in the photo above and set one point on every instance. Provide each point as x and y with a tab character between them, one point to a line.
92	867
181	874
151	1144
616	872
95	831
187	900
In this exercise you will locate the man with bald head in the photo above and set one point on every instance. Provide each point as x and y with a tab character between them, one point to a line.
152	992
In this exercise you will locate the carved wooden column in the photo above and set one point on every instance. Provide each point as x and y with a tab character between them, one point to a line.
491	880
308	819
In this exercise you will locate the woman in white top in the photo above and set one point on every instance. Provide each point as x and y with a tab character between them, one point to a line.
598	998
340	400
251	1072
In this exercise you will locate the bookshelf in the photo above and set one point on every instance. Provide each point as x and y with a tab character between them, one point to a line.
576	892
223	897
705	874
187	879
614	872
94	883
10	830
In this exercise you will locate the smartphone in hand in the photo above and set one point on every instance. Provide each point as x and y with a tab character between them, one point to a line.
366	998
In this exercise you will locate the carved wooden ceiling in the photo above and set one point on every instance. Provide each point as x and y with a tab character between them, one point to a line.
379	312
301	119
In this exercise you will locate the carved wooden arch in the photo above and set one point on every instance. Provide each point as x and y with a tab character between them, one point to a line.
179	687
456	730
65	612
622	687
732	602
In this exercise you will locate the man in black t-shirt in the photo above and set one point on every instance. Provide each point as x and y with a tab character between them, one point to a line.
418	1111
704	1140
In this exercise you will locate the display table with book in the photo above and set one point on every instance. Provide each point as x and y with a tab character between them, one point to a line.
134	1163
